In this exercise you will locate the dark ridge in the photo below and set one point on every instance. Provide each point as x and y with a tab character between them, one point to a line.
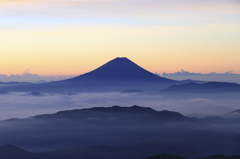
105	152
132	109
194	81
132	114
166	115
9	148
209	86
164	156
12	152
236	111
100	112
107	148
36	94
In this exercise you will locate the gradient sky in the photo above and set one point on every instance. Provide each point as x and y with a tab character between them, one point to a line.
66	37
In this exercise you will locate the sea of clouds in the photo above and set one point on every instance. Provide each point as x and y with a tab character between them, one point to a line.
22	105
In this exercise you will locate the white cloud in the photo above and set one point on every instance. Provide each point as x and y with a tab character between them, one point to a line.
228	76
28	77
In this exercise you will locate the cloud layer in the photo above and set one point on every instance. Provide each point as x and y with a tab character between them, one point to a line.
228	76
35	78
20	105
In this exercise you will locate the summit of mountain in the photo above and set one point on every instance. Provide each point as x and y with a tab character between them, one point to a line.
116	75
121	69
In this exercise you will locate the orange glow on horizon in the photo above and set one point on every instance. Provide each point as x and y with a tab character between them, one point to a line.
74	51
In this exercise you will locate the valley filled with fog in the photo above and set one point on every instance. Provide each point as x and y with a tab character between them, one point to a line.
23	104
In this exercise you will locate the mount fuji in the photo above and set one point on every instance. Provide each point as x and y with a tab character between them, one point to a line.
118	74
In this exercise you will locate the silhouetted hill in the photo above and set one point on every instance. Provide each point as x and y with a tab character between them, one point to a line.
94	152
116	75
232	115
12	152
100	152
121	114
11	148
36	94
121	128
164	156
205	87
236	111
105	152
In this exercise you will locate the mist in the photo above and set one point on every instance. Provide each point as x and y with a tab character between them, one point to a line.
137	131
193	137
22	105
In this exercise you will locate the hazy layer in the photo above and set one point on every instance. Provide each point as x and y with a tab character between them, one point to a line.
22	105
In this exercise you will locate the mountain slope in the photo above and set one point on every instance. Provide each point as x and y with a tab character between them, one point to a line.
116	75
164	156
101	152
121	69
12	152
119	114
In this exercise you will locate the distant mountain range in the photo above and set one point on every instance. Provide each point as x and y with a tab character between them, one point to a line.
116	75
117	114
165	156
204	87
120	75
133	114
152	132
96	152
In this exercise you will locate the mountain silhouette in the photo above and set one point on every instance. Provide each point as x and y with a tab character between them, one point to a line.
36	94
164	156
158	132
119	114
116	75
121	69
102	152
232	115
236	111
204	87
10	148
13	152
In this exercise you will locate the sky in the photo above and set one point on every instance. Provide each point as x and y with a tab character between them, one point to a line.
71	37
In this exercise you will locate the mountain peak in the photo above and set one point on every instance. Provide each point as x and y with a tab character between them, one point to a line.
122	58
121	68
